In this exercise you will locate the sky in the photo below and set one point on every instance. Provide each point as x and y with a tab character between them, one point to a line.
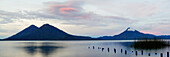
86	17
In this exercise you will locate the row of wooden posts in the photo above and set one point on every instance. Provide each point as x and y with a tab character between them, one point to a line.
125	51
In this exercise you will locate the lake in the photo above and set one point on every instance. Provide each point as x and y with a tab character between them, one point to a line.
114	48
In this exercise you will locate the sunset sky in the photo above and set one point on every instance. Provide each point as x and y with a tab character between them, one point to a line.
86	17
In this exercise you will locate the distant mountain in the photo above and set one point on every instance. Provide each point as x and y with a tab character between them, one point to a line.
128	34
26	31
45	32
49	32
163	36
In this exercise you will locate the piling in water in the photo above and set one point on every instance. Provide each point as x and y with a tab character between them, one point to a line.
99	48
93	47
167	54
161	54
102	49
114	50
125	52
149	54
136	53
142	52
108	49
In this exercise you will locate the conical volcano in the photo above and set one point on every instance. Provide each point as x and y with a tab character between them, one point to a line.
133	34
129	34
24	32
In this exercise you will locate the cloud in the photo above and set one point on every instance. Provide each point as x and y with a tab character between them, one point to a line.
102	18
70	11
74	13
159	28
4	21
14	15
130	8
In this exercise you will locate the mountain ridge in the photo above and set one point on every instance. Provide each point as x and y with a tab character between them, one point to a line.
49	32
129	35
45	32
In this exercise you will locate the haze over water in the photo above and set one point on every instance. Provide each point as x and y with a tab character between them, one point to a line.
73	49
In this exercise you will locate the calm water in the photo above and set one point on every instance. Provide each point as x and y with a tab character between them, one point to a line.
74	49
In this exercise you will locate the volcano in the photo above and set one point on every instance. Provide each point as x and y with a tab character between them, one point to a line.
129	34
45	32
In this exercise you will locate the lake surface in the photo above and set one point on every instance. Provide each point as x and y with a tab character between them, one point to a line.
75	49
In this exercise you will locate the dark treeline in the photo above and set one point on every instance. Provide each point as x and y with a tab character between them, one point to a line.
150	44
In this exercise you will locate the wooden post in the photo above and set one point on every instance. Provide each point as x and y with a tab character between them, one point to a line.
167	54
161	55
142	52
121	50
108	49
125	52
114	50
93	47
136	53
102	49
99	48
149	54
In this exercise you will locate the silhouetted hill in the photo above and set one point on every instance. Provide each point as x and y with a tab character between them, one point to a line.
129	35
163	36
24	32
49	32
45	32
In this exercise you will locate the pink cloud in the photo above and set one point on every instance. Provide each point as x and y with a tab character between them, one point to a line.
158	29
70	9
73	9
74	12
66	10
165	25
151	32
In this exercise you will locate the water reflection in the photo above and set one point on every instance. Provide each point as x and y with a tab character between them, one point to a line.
75	49
44	48
128	52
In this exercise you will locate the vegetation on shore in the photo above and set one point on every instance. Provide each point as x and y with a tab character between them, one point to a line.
150	44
